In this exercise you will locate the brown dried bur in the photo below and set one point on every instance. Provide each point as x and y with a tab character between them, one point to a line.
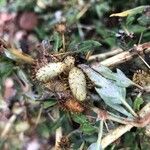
64	143
68	103
49	74
61	28
73	105
141	78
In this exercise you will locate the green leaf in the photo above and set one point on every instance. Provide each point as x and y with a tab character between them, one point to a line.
105	72
114	96
71	15
144	20
120	109
79	118
137	28
130	20
133	11
57	41
111	94
43	129
73	45
41	33
21	74
6	68
49	103
122	80
88	45
56	124
119	77
88	128
137	103
110	40
2	2
102	8
85	125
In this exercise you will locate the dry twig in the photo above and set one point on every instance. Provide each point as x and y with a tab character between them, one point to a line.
125	56
100	57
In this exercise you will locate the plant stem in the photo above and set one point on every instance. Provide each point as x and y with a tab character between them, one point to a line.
82	146
138	86
129	108
64	43
83	11
100	133
58	134
39	116
73	132
144	61
10	123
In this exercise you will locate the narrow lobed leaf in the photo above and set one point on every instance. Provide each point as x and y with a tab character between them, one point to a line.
94	76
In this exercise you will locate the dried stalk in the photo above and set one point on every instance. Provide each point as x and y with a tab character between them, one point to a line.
144	61
125	56
83	11
118	132
8	125
39	116
10	122
58	134
100	57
